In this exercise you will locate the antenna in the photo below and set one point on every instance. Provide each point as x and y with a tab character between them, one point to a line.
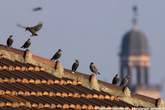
135	14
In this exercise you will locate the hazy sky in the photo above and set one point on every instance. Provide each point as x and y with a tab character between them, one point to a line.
90	30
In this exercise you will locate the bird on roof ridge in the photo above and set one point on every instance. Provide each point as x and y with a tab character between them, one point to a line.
125	81
75	65
93	68
57	55
115	80
9	41
27	44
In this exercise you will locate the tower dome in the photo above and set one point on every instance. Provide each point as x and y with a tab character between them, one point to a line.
134	42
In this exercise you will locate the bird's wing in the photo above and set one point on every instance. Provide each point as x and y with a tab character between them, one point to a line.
23	45
53	57
37	27
113	80
118	79
74	66
9	42
21	26
94	68
122	82
125	82
26	44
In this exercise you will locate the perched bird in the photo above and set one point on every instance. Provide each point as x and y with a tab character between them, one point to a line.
57	55
75	66
124	82
93	68
26	44
32	29
9	41
39	8
115	80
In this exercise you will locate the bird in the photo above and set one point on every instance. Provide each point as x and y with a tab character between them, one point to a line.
9	41
57	55
75	66
93	68
32	29
39	8
26	44
124	82
115	80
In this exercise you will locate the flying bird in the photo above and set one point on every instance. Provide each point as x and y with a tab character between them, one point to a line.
115	80
57	55
93	68
124	82
32	29
75	66
39	8
9	41
26	44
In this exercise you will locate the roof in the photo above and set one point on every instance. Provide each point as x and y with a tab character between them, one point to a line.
134	42
31	82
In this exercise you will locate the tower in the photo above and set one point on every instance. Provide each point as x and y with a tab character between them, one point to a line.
135	58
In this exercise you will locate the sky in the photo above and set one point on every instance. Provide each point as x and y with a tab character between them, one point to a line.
89	30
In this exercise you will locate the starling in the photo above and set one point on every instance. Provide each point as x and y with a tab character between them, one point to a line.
124	82
93	68
115	80
57	55
39	8
75	66
32	29
26	44
9	41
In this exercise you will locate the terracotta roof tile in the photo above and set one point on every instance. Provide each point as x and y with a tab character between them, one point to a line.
7	62
39	88
60	100
30	86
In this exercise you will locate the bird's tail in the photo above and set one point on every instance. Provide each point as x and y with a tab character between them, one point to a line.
120	84
98	73
34	34
52	59
19	25
22	46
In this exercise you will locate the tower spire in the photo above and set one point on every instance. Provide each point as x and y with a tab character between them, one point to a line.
135	14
